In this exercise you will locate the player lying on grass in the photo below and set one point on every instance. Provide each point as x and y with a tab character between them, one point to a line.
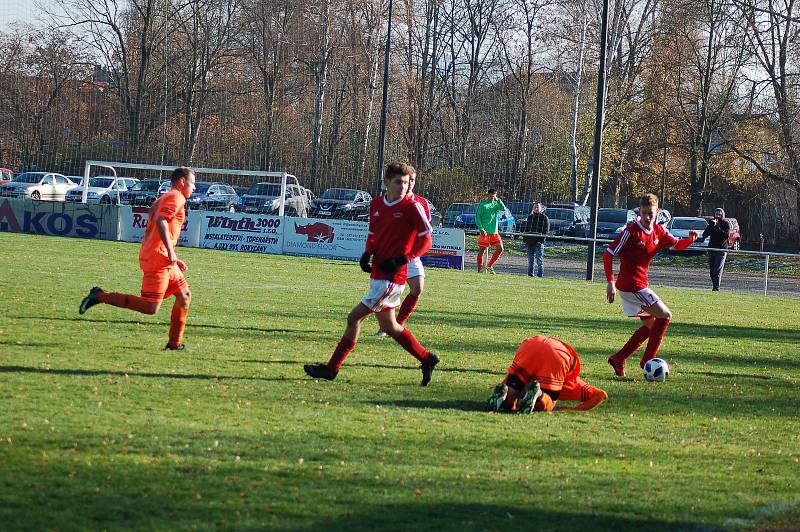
636	246
398	232
545	370
162	270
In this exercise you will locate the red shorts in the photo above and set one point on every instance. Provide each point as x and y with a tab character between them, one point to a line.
162	283
551	362
489	241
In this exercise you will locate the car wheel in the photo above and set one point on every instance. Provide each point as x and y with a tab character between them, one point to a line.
105	200
36	195
231	208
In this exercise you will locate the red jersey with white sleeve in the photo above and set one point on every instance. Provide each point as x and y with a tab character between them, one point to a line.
422	201
636	246
394	226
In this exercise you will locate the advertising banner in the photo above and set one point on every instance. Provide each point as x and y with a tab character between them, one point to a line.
253	233
133	221
447	250
315	237
58	218
345	239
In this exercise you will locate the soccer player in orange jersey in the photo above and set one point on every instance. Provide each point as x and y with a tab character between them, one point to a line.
545	370
161	267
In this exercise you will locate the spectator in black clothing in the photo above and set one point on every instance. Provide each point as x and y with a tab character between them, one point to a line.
537	222
717	233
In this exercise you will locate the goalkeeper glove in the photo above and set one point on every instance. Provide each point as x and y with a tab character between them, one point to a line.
364	262
392	265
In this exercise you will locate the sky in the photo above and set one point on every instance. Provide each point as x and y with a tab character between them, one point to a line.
25	11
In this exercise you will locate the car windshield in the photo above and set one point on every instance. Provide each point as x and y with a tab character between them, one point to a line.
28	178
201	187
560	214
147	185
614	216
339	194
520	207
688	223
265	189
101	182
470	209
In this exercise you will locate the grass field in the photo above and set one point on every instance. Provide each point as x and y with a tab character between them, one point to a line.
100	429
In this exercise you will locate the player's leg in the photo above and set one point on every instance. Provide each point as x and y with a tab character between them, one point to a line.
498	250
345	346
540	259
154	286
578	390
661	318
407	341
617	360
481	255
531	248
180	309
416	285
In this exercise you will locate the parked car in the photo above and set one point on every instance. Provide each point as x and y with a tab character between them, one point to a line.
520	209
143	193
466	220
265	198
6	175
341	203
664	216
452	213
102	189
573	207
681	225
209	196
38	186
609	221
567	222
734	233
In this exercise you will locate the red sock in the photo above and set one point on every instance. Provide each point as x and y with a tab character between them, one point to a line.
495	256
410	344
177	324
343	348
124	301
408	306
634	343
480	261
656	335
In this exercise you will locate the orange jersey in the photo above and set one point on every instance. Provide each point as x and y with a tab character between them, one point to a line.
153	253
548	360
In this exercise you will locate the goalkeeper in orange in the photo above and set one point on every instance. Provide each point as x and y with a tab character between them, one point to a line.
545	370
162	270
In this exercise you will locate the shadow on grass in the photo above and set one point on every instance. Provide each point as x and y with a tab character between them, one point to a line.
27	343
113	373
373	366
464	406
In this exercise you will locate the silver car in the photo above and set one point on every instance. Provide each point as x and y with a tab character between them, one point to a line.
680	226
102	189
38	186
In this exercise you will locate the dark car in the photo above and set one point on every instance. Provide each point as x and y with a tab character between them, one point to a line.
520	209
143	193
345	203
466	220
567	222
452	213
209	196
609	220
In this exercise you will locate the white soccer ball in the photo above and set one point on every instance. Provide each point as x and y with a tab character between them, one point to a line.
656	370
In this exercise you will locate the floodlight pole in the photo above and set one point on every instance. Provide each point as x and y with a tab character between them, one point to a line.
384	105
598	143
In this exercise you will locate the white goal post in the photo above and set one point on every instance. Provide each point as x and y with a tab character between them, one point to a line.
113	165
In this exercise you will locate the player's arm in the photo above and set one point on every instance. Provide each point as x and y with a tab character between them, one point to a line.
613	249
680	244
478	220
162	225
500	207
369	247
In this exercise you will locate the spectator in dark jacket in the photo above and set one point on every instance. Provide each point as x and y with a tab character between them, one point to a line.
537	222
717	234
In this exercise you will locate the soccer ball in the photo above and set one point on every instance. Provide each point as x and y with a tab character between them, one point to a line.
656	370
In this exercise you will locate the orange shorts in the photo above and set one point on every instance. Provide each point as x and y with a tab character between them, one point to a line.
162	283
551	362
489	241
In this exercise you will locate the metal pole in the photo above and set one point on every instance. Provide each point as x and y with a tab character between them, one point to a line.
598	143
384	105
766	272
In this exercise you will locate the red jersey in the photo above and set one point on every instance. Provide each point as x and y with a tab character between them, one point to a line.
422	201
636	247
393	227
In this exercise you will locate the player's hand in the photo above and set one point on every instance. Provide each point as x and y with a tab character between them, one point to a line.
392	265
693	235
172	257
611	292
181	265
364	262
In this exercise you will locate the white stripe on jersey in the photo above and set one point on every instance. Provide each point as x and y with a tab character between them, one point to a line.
623	238
424	217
